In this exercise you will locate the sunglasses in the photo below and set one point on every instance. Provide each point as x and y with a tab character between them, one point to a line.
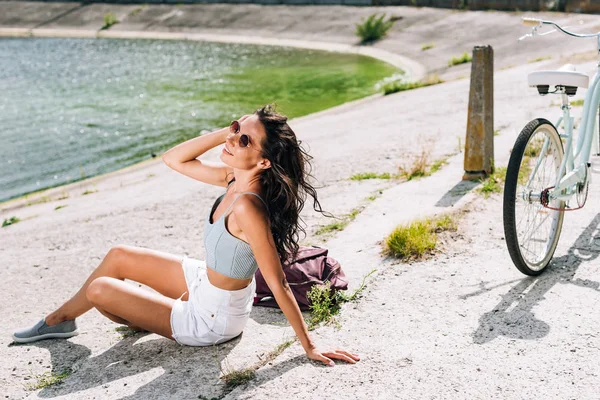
244	140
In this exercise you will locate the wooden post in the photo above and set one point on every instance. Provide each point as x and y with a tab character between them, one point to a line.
479	144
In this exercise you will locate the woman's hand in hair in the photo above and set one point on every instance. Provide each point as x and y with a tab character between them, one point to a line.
326	357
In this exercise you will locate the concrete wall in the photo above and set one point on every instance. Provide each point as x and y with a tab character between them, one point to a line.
584	6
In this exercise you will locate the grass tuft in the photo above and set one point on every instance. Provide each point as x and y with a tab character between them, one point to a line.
61	206
10	221
465	58
370	175
493	183
333	227
110	19
374	196
437	165
236	378
414	240
341	224
138	10
398	83
43	199
539	59
125	331
373	28
89	192
326	303
577	103
48	379
427	46
418	168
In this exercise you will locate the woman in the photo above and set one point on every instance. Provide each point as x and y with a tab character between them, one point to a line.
255	223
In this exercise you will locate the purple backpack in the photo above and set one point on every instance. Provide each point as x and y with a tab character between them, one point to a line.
311	267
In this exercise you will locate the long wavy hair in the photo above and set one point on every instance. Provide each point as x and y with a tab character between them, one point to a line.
286	184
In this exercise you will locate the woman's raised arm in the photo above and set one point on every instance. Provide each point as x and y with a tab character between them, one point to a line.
183	158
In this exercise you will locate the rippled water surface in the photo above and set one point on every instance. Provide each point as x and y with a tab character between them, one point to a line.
75	108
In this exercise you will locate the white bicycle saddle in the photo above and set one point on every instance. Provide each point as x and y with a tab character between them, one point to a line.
564	76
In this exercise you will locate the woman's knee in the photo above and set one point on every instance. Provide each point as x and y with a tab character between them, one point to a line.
98	290
117	257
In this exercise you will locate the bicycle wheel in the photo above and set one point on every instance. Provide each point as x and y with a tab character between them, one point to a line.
531	230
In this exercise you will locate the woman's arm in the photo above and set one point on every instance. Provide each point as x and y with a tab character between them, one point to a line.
183	158
255	226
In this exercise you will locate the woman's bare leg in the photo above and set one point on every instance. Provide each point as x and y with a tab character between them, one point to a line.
136	306
158	270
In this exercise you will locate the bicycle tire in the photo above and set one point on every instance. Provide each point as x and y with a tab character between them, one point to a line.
511	199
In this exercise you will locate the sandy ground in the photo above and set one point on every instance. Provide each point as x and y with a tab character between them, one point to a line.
465	324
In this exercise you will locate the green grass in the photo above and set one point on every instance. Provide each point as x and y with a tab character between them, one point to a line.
415	240
43	199
341	224
539	59
234	378
125	331
370	175
418	168
577	103
373	28
494	183
534	147
427	46
61	206
437	165
138	10
397	83
332	227
48	379
10	221
373	197
325	303
463	59
238	377
110	19
89	192
524	170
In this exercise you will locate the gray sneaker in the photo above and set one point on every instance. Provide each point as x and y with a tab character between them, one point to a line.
39	331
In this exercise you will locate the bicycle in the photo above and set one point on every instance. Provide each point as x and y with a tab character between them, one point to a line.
546	176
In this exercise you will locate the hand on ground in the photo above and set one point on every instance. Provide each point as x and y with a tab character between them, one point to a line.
327	357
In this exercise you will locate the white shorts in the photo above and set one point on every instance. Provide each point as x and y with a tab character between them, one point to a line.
211	315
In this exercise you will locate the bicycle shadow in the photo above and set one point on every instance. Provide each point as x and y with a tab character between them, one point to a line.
513	317
169	369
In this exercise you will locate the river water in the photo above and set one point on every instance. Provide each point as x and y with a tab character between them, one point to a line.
75	108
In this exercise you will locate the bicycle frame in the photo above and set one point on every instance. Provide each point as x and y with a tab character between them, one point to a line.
574	166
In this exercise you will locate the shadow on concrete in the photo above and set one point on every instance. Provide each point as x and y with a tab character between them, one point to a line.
513	316
452	196
198	368
169	369
163	368
270	316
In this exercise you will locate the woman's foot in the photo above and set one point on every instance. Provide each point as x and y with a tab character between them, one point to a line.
41	330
